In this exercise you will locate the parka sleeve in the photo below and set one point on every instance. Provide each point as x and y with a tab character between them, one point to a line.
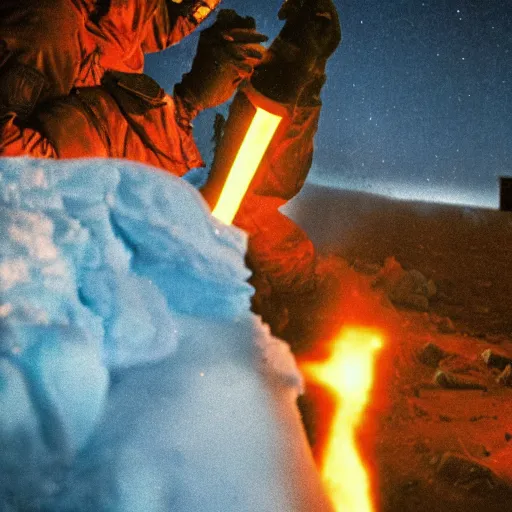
287	161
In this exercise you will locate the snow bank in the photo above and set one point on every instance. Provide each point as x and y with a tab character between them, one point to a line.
132	374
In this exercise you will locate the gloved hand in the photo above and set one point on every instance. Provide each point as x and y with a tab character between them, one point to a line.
227	53
294	65
313	26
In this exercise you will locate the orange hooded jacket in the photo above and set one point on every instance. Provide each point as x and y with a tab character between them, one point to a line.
53	49
78	80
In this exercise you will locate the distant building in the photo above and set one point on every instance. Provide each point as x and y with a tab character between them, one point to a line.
506	194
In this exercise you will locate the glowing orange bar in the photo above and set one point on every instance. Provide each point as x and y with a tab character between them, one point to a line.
256	141
349	373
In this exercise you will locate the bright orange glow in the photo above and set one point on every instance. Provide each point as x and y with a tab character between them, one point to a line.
247	161
349	373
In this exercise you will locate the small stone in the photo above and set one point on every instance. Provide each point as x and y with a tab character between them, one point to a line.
508	436
418	302
412	300
465	472
449	381
430	289
370	269
453	465
420	412
494	359
485	452
431	355
408	289
434	460
445	418
505	377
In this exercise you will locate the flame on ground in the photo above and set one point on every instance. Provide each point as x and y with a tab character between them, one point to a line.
349	373
247	161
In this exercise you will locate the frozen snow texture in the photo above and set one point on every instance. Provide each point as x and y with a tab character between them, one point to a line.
132	374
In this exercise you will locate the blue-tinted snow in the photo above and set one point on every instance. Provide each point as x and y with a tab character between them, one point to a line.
132	374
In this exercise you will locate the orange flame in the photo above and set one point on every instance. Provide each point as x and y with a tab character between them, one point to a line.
349	373
247	161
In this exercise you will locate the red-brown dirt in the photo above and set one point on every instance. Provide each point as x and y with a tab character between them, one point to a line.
434	448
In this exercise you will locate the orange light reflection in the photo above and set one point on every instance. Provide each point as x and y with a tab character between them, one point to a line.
349	374
247	161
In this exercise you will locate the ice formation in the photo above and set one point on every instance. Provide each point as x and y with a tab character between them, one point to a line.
132	374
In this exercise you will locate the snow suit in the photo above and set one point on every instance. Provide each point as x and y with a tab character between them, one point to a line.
54	57
129	116
71	85
70	43
280	253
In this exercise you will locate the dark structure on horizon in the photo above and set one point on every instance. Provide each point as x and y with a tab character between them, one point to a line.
506	194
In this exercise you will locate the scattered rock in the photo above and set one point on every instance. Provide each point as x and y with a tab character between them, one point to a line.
449	381
466	472
445	418
420	412
508	436
409	289
430	288
505	377
484	452
494	359
370	269
434	460
482	417
413	301
431	355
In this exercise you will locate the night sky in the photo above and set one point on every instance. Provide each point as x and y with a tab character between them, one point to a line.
418	102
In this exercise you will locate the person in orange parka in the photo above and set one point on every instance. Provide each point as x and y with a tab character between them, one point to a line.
72	85
72	82
285	264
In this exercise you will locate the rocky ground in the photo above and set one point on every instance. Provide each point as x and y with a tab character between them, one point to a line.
437	280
